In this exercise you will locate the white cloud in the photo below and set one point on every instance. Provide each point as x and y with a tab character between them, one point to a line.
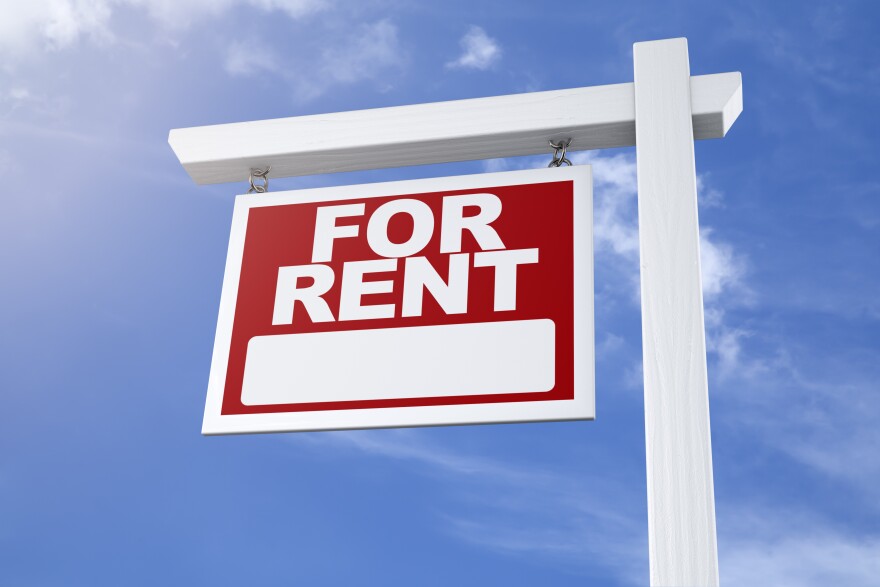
804	561
818	409
177	14
563	519
249	57
723	269
615	222
497	165
610	343
708	195
790	549
19	94
46	25
368	52
517	510
67	21
23	98
726	343
479	51
406	445
50	24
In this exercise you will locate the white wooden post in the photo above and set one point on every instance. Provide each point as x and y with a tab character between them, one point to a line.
681	500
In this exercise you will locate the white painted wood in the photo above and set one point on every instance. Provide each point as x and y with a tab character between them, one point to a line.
681	501
596	117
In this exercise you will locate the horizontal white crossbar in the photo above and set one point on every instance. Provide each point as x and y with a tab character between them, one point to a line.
595	117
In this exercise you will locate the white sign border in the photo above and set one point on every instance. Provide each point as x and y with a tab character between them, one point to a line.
582	407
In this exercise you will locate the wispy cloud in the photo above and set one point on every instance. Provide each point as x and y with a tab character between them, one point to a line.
559	518
804	561
478	51
371	50
250	57
723	268
367	52
54	25
790	549
809	56
358	51
565	519
50	25
818	409
176	14
709	196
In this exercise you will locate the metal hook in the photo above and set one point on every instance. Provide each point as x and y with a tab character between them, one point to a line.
262	174
559	153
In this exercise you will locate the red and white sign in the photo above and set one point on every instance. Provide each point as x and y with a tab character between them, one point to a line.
452	300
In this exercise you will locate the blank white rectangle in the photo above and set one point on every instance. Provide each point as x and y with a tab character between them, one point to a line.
421	361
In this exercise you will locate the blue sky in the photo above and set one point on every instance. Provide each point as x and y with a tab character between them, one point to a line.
112	259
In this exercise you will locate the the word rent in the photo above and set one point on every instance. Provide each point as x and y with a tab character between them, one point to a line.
401	264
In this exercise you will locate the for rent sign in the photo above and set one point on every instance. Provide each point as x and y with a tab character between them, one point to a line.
441	301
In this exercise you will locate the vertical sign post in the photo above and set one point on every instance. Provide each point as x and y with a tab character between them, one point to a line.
681	499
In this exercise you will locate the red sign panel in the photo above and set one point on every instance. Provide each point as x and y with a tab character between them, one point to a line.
441	301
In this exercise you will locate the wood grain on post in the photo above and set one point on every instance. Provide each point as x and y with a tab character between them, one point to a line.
681	499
